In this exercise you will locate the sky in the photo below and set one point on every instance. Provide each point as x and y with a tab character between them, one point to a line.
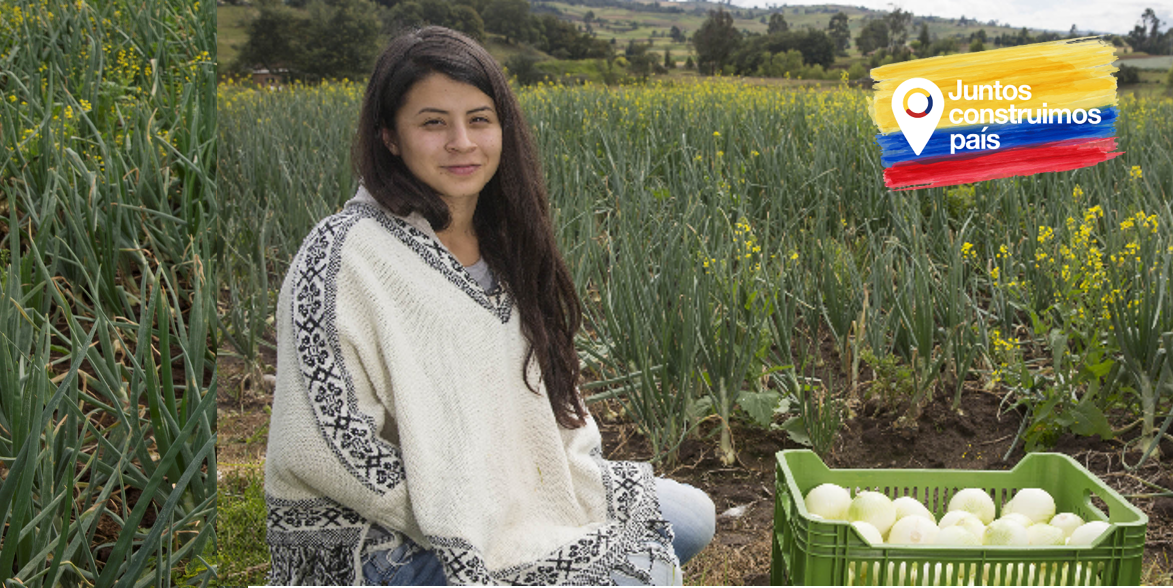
1104	16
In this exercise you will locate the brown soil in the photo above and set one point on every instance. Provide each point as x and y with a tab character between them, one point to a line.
242	409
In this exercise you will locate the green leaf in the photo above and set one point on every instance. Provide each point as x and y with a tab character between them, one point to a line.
1088	419
795	427
1100	369
760	406
1058	341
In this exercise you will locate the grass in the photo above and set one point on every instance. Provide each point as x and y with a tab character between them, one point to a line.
243	556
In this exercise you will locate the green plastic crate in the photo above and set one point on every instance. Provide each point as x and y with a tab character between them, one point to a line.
815	552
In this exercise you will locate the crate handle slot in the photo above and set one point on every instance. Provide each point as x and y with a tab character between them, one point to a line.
1088	493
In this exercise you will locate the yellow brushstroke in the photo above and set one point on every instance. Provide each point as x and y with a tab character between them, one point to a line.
1075	73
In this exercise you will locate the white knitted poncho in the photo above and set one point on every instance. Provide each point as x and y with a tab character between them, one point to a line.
400	402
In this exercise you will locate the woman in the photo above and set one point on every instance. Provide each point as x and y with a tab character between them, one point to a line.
426	425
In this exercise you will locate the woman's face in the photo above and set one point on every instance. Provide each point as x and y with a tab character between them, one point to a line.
449	136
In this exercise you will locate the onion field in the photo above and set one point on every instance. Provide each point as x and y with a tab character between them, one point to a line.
107	300
740	259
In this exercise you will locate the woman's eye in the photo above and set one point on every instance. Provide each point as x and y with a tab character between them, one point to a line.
433	122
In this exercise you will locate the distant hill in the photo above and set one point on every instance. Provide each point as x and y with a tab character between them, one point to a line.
651	20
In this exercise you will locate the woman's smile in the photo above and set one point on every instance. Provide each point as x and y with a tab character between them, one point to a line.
462	170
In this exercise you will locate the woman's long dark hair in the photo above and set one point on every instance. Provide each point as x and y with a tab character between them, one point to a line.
512	218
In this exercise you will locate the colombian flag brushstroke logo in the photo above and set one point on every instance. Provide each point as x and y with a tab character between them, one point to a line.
995	114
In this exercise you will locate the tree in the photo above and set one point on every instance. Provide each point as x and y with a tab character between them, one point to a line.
777	24
1127	74
1147	36
509	18
563	40
839	32
1150	18
274	36
669	63
677	34
405	15
925	49
758	52
781	64
342	39
641	61
478	5
898	22
715	41
976	45
873	36
523	66
944	46
468	21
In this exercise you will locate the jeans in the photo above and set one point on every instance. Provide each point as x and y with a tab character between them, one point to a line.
688	510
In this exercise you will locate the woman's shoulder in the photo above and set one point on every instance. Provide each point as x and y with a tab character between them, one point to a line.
361	218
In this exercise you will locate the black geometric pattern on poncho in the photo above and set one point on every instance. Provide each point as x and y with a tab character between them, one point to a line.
311	542
351	434
297	515
625	484
635	526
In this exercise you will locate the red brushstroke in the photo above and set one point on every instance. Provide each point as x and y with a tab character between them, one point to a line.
950	170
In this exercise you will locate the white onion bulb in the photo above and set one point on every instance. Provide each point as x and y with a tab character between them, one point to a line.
1044	534
908	506
1068	521
1005	532
1035	503
869	532
829	501
1087	533
976	501
873	508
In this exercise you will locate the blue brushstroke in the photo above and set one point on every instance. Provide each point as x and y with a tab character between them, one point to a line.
896	148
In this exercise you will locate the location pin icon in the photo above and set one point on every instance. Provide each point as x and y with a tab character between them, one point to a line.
917	105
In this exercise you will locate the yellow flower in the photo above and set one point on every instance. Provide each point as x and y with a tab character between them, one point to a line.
1045	233
1136	172
1077	192
718	134
967	250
